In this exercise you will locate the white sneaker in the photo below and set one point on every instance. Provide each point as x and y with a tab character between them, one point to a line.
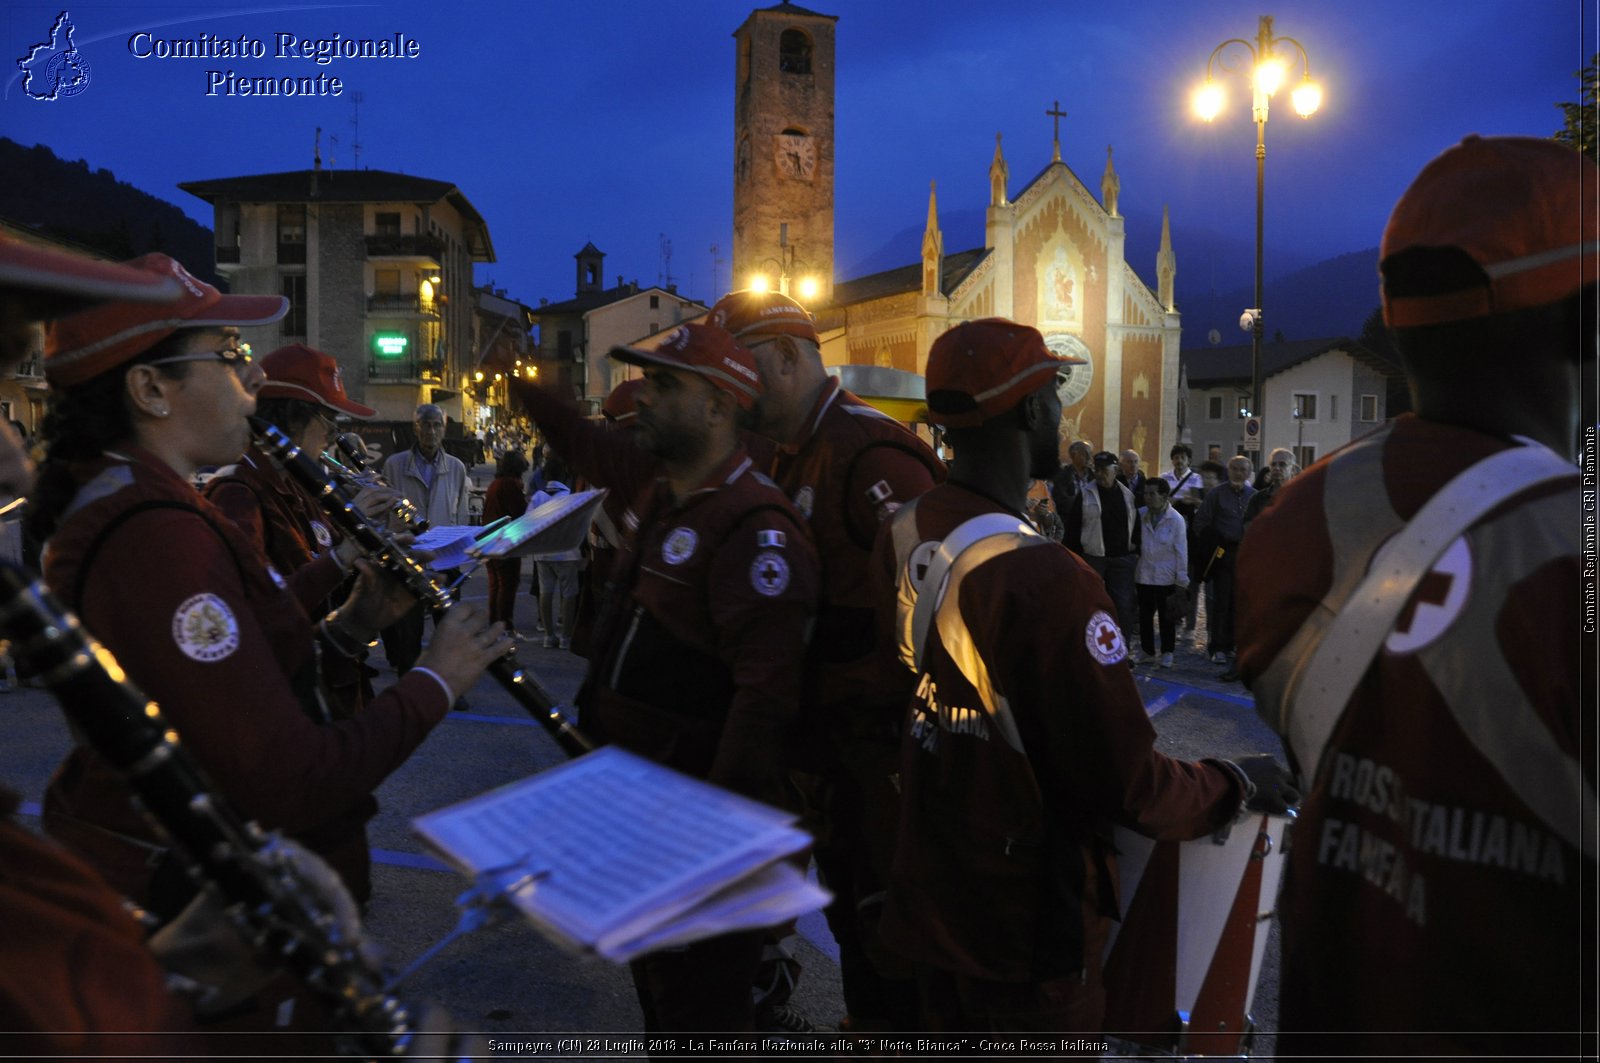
1166	660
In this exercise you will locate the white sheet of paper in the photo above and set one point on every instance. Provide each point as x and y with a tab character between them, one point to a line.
613	849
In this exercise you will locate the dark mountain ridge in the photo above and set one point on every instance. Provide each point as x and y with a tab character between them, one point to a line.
66	200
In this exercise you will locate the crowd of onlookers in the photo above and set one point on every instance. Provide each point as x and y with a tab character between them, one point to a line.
1156	539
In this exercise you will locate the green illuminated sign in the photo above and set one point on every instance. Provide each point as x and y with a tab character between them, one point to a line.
390	344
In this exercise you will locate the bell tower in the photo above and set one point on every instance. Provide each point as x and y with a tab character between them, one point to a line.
783	152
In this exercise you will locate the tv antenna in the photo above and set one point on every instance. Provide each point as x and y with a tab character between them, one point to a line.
715	262
666	261
355	132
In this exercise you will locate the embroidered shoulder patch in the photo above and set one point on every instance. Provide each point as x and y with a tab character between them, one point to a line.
804	499
679	545
323	535
205	628
769	573
1104	639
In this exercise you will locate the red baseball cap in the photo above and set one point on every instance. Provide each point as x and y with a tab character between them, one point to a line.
305	373
711	352
749	313
56	283
622	404
1522	208
84	345
981	369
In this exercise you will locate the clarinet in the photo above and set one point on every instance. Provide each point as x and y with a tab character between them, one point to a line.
395	560
269	904
353	480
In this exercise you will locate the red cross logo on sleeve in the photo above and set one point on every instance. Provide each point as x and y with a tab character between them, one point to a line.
769	574
1103	639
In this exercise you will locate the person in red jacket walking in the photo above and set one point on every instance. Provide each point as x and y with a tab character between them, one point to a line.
1024	740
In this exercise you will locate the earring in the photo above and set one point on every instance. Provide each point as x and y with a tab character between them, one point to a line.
160	411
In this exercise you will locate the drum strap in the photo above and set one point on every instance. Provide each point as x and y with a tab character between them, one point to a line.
938	601
1330	655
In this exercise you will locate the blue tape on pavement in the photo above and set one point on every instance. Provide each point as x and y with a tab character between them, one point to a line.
1158	688
483	717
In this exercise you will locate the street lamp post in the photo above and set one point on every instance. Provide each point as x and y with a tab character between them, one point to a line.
1267	74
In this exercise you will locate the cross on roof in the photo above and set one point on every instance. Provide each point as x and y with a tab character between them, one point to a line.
1056	115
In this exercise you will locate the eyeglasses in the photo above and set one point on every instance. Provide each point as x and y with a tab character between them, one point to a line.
237	357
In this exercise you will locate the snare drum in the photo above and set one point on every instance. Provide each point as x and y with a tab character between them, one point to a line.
1181	967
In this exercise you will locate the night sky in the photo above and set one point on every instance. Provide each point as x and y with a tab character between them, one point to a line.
570	122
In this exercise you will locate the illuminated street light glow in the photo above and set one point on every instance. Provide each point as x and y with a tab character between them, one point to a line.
760	283
808	288
1307	97
1267	75
1208	100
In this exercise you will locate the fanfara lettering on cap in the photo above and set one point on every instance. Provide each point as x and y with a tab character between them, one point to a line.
744	371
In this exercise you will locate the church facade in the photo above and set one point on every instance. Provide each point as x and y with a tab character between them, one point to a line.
1053	257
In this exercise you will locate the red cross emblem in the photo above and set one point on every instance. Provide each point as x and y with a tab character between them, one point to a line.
1103	639
769	574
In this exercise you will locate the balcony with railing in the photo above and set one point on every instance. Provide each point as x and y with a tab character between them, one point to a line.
420	246
401	304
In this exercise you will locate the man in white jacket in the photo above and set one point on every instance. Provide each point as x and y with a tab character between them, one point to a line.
437	484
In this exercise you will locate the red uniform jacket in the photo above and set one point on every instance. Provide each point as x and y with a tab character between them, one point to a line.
185	602
698	662
75	975
1421	893
284	521
290	528
504	498
1004	866
853	467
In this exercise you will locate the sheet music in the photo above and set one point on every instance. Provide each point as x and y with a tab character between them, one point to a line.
612	849
449	544
557	525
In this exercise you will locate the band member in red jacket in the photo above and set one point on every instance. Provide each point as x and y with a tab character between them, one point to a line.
142	397
847	467
76	977
1440	896
1025	740
697	662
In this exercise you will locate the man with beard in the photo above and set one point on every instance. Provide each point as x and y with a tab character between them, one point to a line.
848	467
1025	741
698	657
